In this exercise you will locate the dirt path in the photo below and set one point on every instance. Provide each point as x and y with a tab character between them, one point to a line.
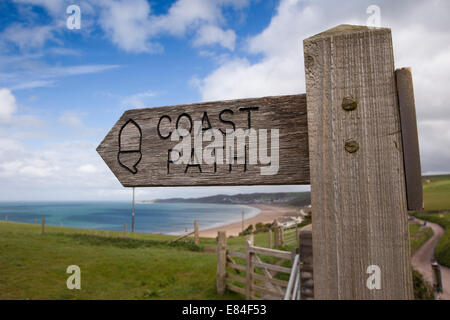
422	257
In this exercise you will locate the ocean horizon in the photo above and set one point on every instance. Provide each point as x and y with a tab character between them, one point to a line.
165	218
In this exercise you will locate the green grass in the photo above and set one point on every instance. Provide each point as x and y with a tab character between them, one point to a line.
418	236
33	266
436	194
140	266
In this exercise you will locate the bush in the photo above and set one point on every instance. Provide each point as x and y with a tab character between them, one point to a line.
422	290
247	231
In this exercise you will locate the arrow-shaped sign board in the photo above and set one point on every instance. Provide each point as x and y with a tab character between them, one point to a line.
262	141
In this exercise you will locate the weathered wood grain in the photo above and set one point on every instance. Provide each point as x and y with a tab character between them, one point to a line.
143	152
359	198
249	267
269	279
271	252
196	236
270	239
410	138
235	277
221	262
236	289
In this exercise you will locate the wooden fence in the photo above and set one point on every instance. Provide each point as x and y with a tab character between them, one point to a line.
194	233
258	273
281	236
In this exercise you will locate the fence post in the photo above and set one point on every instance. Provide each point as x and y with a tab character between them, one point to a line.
249	267
360	218
196	237
276	237
124	230
281	236
306	259
221	261
6	218
43	225
270	238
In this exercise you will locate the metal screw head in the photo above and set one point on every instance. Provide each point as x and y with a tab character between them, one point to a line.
351	146
349	103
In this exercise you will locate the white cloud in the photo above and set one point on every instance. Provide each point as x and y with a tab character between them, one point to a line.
73	124
33	74
138	100
28	37
210	34
127	24
132	26
281	69
72	164
184	14
420	42
33	84
71	120
55	7
7	105
88	168
78	70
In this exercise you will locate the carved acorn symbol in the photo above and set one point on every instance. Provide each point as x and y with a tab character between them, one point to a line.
130	142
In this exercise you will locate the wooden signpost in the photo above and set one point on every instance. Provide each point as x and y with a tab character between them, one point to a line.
137	149
362	163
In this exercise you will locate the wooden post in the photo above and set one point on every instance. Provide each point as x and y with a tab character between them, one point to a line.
6	218
281	236
196	237
124	230
356	165
270	238
43	225
221	262
410	138
249	267
277	237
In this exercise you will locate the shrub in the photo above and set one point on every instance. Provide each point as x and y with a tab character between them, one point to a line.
422	290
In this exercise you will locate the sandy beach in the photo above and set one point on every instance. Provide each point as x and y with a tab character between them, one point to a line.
267	215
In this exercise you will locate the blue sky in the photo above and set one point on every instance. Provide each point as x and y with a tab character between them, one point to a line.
61	90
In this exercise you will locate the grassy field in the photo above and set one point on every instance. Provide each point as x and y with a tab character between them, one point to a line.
144	266
141	266
33	266
436	191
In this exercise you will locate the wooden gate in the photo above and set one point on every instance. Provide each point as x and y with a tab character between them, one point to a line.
259	273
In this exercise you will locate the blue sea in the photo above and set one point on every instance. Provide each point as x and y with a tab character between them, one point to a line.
167	218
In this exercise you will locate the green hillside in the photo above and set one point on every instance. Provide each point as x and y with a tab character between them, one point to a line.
141	266
436	192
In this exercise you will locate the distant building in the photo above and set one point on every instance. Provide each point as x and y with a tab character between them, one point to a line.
306	211
287	221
